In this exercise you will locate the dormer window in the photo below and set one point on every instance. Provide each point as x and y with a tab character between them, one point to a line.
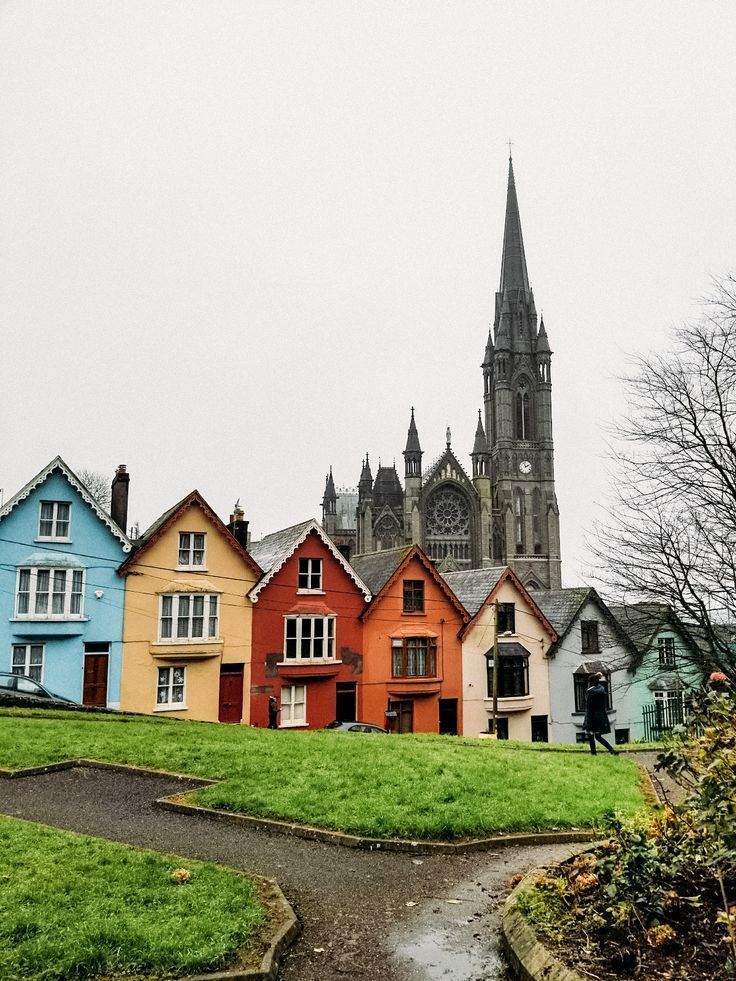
310	575
191	550
54	521
413	596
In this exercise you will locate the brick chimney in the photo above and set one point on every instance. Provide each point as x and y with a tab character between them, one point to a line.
119	497
238	525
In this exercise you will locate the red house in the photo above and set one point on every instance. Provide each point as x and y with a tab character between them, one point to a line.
307	632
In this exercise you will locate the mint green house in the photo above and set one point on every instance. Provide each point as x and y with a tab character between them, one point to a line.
667	665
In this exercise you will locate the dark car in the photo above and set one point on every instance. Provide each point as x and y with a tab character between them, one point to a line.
354	727
21	686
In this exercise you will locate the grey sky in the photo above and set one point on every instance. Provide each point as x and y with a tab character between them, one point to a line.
239	241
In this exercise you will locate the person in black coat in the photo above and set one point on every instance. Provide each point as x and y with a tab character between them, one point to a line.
596	719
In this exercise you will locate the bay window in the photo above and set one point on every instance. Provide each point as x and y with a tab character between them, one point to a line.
309	638
189	616
47	594
413	657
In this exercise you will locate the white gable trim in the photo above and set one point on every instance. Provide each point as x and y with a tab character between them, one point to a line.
313	526
57	464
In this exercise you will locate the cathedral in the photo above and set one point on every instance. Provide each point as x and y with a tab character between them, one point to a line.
505	513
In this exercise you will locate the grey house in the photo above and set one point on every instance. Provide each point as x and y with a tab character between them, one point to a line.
590	640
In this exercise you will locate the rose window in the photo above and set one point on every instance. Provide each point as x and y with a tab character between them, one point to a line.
448	513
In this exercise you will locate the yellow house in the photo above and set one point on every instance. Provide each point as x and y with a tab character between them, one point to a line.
188	624
498	603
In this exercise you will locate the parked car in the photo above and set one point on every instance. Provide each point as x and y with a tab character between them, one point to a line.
354	727
23	686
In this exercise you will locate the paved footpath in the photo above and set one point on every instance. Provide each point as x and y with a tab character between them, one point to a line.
374	916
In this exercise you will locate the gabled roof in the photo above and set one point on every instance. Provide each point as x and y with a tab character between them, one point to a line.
643	621
477	588
273	550
447	457
167	519
57	465
562	607
382	569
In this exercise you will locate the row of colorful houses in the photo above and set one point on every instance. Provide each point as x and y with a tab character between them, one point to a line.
193	620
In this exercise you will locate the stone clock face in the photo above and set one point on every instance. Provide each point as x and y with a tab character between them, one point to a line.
525	466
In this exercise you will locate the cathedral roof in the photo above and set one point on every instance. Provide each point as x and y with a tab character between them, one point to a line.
480	445
513	262
412	439
387	488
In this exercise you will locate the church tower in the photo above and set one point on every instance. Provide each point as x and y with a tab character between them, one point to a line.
517	396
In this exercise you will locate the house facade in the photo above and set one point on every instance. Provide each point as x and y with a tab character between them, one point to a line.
307	633
61	600
589	641
188	622
668	664
499	606
412	669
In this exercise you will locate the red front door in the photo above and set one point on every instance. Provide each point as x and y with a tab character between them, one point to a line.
231	693
94	691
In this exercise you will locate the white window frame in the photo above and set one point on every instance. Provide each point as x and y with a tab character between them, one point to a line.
54	519
27	665
288	707
667	652
309	571
188	603
669	695
72	594
188	550
168	670
307	635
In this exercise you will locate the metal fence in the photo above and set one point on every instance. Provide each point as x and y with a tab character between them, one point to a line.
661	717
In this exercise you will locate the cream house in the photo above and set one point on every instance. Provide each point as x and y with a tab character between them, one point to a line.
497	602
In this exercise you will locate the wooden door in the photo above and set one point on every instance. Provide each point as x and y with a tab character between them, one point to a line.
404	719
448	716
231	693
94	690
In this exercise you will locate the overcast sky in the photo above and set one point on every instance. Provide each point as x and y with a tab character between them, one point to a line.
239	240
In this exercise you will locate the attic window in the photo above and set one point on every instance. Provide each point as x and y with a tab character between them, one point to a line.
191	550
589	637
54	520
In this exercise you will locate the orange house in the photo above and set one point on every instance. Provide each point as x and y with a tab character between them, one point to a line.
412	668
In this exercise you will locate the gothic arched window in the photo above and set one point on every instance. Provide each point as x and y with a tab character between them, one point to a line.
537	520
519	521
523	415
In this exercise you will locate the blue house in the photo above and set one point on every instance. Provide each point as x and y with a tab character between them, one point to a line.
61	600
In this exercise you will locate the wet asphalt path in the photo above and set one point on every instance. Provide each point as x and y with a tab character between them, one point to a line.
365	915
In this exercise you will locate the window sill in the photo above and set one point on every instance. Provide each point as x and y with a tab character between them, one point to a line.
51	619
170	708
52	538
307	662
413	613
190	642
311	592
191	568
293	725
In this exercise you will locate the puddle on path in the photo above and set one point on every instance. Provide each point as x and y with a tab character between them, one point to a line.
440	954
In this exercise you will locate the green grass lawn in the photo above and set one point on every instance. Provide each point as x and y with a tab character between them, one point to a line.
419	787
73	906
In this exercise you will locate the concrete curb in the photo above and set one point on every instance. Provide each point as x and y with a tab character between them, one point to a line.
179	804
527	956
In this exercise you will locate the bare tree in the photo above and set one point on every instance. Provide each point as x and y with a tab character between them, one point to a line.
670	532
98	485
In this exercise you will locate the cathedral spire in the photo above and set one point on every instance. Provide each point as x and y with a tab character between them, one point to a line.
480	445
413	451
513	262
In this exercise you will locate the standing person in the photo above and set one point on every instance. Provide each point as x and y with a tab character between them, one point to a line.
596	719
273	712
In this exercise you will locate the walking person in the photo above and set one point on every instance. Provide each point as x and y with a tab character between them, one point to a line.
596	718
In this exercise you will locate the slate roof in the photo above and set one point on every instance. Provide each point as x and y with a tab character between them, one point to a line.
274	549
472	586
641	621
376	568
561	605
